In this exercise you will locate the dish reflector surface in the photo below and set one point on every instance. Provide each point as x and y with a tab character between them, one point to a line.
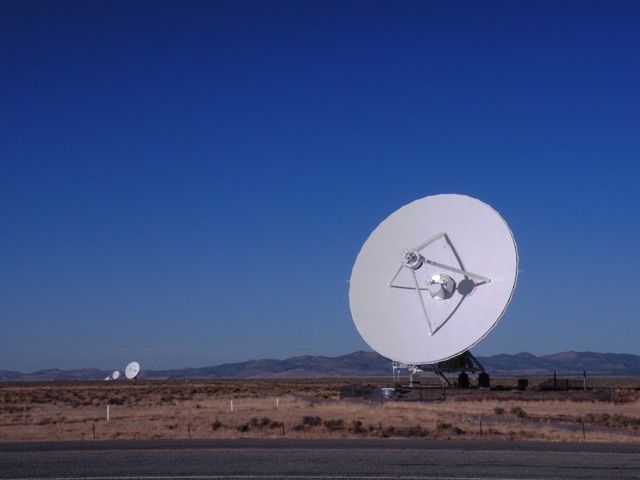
433	279
132	370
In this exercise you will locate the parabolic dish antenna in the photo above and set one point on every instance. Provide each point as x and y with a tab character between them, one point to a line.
115	375
132	370
433	279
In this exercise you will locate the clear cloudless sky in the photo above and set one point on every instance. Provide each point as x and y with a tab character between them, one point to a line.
188	183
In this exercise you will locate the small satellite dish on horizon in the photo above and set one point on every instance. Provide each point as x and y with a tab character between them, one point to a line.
132	370
115	375
433	279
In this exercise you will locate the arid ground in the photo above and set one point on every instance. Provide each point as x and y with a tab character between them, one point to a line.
608	411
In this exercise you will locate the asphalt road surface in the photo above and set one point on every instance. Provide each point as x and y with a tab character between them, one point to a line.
317	459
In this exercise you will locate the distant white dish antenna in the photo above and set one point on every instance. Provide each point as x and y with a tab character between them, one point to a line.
115	375
433	279
132	370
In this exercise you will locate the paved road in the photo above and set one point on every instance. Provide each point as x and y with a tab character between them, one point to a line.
317	459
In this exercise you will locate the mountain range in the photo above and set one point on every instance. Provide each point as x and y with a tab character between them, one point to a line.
364	364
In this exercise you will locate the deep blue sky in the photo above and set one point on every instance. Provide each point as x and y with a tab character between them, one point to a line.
188	183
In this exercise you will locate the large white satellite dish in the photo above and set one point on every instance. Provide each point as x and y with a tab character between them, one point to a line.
132	370
433	279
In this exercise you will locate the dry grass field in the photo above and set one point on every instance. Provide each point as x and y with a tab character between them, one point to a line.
311	408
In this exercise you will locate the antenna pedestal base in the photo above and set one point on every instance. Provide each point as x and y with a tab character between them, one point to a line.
463	363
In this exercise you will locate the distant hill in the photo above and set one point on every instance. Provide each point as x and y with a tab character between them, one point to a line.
356	364
54	375
365	364
566	363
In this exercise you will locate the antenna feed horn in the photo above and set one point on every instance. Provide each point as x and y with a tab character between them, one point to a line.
441	286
